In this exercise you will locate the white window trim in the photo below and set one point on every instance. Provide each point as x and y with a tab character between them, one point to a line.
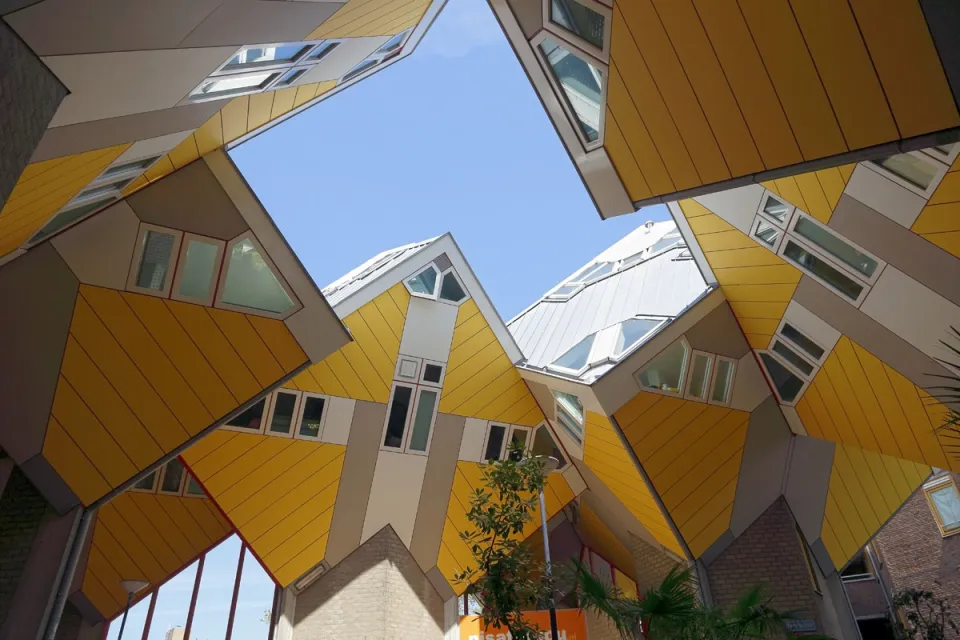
561	96
293	418
138	255
939	157
574	39
408	434
791	209
407	419
800	354
941	171
416	374
218	265
456	277
789	367
708	387
871	280
267	407
417	272
621	354
826	258
713	380
781	233
298	418
807	356
225	270
937	484
423	371
683	377
560	297
486	439
156	483
183	481
588	363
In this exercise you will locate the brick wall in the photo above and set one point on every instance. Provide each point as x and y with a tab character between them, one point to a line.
377	592
768	553
21	510
29	96
599	627
915	556
652	563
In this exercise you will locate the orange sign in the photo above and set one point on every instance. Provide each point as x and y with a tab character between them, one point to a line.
570	626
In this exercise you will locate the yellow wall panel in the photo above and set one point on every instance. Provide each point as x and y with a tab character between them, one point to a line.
245	340
623	161
234	118
72	464
281	343
258	112
359	18
185	152
939	222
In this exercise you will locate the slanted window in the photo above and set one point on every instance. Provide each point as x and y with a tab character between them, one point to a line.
322	51
234	85
172	478
251	419
290	77
311	418
700	370
393	43
570	415
424	415
766	233
496	442
821	237
249	281
451	289
563	292
129	168
944	501
153	258
575	359
284	408
366	65
400	403
912	168
266	56
667	371
776	210
193	488
72	213
792	357
664	243
822	270
795	336
634	331
198	269
424	283
580	20
787	385
723	380
545	445
580	84
147	484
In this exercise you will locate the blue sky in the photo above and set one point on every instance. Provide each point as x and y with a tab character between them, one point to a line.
453	138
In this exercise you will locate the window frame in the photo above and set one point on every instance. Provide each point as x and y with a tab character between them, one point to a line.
408	432
272	408
298	418
186	485
769	377
817	362
850	271
755	227
932	486
826	258
139	247
439	287
154	487
791	210
947	158
163	474
685	372
70	206
225	271
561	96
581	423
799	353
416	374
562	32
486	439
406	422
927	193
708	378
134	173
717	359
416	273
587	363
620	355
267	408
527	446
555	438
214	277
423	371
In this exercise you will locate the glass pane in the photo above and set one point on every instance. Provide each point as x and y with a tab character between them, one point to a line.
776	209
666	371
699	375
835	246
360	68
432	373
216	590
398	417
199	264
155	261
323	51
767	233
917	172
283	407
172	475
565	290
599	272
573	429
254	602
193	487
134	165
147	483
230	85
251	282
173	602
495	442
136	618
518	438
802	341
632	331
580	82
571	403
787	384
451	289
576	357
251	418
424	282
422	420
579	275
791	356
578	19
822	270
290	77
393	43
948	506
664	243
543	445
723	381
312	415
69	216
943	149
105	188
260	56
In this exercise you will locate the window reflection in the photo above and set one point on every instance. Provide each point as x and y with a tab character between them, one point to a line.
581	83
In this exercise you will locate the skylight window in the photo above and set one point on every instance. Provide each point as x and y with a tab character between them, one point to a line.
632	332
575	359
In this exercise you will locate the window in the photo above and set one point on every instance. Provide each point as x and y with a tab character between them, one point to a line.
312	414
249	281
766	233
250	419
147	484
432	373
193	488
822	271
153	258
545	445
840	249
400	403
198	269
793	358
570	415
424	283
910	167
776	210
580	20
667	371
171	479
496	439
451	289
129	167
359	69
798	339
266	56
235	85
282	411
699	375
423	418
407	368
944	152
666	242
723	380
290	77
580	84
67	216
413	405
388	50
633	332
858	568
944	501
575	358
786	384
393	43
519	437
102	189
322	51
563	292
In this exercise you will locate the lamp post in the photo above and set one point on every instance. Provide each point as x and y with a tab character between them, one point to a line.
550	464
132	587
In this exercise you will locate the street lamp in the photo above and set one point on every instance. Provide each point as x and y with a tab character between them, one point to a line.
550	464
132	587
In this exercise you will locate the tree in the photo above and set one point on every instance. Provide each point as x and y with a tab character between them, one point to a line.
923	616
506	579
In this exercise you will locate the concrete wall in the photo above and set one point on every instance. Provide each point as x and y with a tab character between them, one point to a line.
377	592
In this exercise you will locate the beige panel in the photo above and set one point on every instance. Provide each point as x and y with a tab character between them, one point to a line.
50	483
793	420
99	249
868	333
356	478
153	146
428	331
38	290
812	325
913	312
99	134
896	245
575	480
348	54
762	466
719	332
336	428
107	85
192	200
61	27
529	15
884	196
444	590
808	479
736	206
240	22
437	484
471	445
750	388
395	494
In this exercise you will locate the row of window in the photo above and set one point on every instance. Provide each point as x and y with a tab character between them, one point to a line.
500	439
235	275
695	375
413	405
792	361
171	479
607	345
437	281
918	171
285	413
